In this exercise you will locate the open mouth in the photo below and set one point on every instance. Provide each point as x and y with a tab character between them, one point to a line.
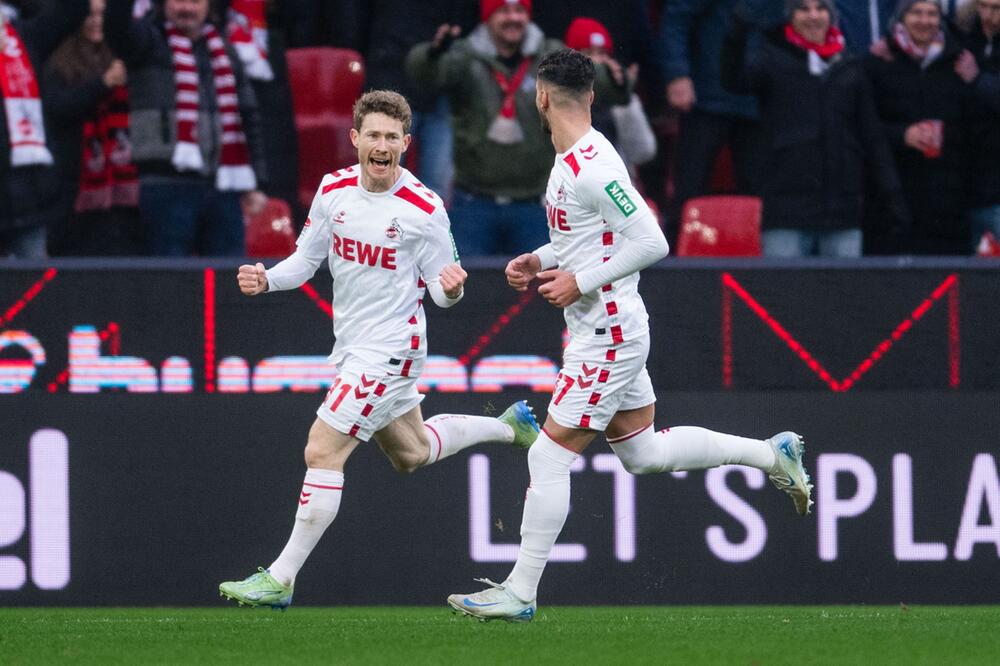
379	164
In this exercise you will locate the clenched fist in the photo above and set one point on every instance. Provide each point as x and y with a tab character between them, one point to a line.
252	279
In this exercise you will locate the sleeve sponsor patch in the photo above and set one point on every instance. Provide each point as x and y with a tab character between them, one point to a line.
618	195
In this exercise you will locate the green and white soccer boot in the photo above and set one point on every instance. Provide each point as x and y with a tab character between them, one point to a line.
521	418
260	589
494	603
788	474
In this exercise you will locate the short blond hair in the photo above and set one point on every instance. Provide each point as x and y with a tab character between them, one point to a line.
387	102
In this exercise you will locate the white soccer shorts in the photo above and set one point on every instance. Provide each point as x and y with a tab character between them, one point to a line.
367	396
596	382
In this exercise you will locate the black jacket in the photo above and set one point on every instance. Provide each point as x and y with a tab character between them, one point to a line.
822	133
936	189
28	195
985	185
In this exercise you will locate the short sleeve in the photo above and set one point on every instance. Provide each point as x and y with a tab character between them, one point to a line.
437	248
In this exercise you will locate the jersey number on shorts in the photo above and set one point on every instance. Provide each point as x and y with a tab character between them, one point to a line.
567	385
345	388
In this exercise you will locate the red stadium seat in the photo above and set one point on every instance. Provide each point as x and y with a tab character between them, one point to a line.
720	226
325	83
270	233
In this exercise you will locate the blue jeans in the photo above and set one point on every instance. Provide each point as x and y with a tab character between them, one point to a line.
23	243
843	243
481	226
432	130
982	220
186	217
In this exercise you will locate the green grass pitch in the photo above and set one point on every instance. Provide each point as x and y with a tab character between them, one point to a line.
582	636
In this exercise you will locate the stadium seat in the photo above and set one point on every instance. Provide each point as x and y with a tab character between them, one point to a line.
720	226
270	233
325	82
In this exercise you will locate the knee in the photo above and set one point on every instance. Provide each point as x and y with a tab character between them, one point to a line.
634	461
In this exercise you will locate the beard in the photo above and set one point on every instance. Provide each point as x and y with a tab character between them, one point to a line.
546	127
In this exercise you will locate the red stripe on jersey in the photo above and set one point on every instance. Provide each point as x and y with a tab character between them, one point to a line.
608	238
414	342
573	164
603	377
354	429
412	197
413	320
595	398
405	372
420	283
610	356
606	287
346	182
380	389
366	410
585	421
616	335
611	307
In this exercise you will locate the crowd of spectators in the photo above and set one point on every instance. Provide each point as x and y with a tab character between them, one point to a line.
156	127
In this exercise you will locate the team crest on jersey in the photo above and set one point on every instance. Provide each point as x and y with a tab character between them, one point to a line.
339	218
561	194
394	231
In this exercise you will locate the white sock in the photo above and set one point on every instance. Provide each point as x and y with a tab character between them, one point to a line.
688	447
448	434
318	505
546	506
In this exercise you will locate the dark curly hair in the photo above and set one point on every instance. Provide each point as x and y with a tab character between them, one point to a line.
568	69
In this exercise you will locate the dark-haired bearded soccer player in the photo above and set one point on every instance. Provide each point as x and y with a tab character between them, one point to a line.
601	235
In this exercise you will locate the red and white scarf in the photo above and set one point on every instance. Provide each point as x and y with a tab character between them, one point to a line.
505	128
924	55
22	103
831	46
235	172
247	31
107	175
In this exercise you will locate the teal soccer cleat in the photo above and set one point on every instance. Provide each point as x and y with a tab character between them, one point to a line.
521	418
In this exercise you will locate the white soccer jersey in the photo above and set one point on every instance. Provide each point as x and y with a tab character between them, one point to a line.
381	248
589	201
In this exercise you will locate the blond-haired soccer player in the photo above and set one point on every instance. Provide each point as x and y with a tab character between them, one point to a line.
387	240
602	234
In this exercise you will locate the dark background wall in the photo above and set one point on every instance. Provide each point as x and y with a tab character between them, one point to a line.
167	494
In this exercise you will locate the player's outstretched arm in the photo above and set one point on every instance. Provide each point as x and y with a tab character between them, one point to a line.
252	279
521	270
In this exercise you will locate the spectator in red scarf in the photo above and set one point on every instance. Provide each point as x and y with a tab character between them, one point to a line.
28	186
927	112
816	107
86	104
194	124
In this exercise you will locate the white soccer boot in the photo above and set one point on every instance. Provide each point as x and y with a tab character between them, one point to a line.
788	474
494	603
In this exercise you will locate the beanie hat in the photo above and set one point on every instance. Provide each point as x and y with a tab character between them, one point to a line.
487	7
792	5
586	33
904	6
